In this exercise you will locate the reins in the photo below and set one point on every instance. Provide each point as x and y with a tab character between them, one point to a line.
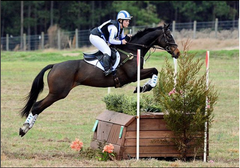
144	46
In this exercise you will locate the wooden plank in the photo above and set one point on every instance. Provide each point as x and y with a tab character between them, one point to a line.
103	130
150	134
152	155
155	155
151	149
150	124
152	115
151	142
114	134
169	149
116	118
148	142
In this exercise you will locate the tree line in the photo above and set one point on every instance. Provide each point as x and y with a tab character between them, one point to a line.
34	17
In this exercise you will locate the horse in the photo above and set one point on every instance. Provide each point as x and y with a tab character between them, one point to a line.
64	76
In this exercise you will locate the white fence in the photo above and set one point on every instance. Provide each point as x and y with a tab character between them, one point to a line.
79	38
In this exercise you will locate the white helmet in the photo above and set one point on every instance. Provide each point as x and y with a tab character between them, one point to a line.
124	15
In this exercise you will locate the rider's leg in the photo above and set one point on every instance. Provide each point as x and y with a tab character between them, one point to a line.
106	64
100	44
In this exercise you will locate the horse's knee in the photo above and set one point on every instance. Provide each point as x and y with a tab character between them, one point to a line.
155	71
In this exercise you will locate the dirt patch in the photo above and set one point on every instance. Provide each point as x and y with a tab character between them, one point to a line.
71	54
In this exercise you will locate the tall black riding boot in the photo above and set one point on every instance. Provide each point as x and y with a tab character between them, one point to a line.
106	64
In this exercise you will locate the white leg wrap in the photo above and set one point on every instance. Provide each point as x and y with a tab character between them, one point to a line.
31	120
152	82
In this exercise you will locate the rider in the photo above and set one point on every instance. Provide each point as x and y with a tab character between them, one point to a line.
110	32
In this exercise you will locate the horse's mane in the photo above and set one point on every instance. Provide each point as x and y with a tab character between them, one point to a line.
140	33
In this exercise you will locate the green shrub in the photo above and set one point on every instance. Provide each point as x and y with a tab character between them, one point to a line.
150	105
184	107
115	102
128	105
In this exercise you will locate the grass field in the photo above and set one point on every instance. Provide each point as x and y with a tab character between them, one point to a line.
48	142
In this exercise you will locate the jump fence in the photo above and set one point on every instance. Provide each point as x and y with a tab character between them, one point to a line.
61	39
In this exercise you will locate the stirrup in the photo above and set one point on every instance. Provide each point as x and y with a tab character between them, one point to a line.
108	72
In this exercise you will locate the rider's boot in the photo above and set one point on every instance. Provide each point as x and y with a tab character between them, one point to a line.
106	64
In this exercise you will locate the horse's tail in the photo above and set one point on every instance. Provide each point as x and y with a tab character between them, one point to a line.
37	87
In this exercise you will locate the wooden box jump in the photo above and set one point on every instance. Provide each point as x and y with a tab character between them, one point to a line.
120	130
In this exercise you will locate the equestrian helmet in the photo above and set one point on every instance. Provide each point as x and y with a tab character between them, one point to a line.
123	15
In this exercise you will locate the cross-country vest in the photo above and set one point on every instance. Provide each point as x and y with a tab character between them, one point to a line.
103	29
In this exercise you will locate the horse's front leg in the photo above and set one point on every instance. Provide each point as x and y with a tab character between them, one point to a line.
151	83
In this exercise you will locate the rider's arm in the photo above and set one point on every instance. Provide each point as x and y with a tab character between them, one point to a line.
125	37
112	34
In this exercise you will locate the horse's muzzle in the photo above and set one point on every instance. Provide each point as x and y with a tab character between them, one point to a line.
176	53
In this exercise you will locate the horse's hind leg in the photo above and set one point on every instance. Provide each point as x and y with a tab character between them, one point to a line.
38	107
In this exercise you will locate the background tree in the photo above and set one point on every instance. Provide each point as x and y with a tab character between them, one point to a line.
69	15
21	32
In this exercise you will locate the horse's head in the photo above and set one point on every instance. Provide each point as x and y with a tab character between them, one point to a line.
160	36
167	42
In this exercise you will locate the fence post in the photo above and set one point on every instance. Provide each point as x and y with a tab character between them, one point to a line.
29	42
194	29
24	41
216	27
133	30
173	27
76	34
42	40
7	42
59	40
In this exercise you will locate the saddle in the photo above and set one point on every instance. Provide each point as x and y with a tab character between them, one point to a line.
96	59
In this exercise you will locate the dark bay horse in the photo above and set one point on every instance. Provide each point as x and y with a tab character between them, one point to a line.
64	76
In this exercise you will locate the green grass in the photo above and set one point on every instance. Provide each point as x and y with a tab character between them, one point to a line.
47	143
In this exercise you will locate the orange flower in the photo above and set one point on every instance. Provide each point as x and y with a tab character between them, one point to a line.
77	145
108	148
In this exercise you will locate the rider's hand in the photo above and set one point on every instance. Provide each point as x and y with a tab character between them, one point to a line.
124	41
128	37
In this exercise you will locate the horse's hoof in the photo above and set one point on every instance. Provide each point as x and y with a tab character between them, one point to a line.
147	88
135	91
21	132
25	128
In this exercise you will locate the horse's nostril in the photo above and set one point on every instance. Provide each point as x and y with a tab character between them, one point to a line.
178	54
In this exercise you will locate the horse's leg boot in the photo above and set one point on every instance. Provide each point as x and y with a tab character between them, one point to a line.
106	64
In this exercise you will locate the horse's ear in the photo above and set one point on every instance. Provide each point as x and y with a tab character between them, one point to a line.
166	26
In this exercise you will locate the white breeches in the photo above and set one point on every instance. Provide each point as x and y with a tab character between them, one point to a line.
100	44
